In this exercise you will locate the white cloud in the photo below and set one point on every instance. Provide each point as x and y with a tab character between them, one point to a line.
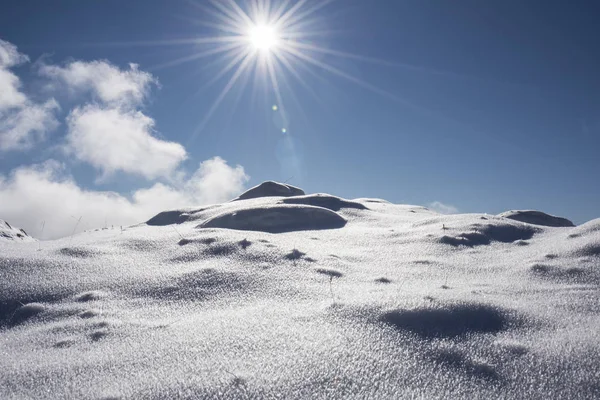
111	134
43	192
112	139
10	94
22	121
111	85
213	182
442	208
20	129
10	56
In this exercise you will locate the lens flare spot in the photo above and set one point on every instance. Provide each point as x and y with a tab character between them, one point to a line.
275	108
284	130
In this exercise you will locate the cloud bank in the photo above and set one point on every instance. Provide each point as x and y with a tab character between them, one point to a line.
44	192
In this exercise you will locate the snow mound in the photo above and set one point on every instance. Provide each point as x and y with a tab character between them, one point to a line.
8	232
179	216
536	218
27	311
332	203
270	189
204	284
460	361
588	228
216	250
449	321
79	252
483	234
92	295
168	218
587	250
277	219
584	274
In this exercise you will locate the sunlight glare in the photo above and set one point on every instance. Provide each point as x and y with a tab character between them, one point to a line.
273	40
263	37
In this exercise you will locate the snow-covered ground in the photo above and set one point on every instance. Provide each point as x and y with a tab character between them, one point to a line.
305	297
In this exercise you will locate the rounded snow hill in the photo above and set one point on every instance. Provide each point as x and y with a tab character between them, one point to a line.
270	189
277	219
536	218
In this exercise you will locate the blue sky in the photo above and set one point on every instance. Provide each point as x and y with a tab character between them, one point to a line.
482	106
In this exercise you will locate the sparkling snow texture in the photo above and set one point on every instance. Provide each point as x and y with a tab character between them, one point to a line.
349	299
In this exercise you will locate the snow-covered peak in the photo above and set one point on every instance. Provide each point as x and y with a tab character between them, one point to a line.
270	189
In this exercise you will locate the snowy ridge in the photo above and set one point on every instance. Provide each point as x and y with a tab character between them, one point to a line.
395	302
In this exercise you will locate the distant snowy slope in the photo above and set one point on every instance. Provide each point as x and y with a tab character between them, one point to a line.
536	218
349	299
11	233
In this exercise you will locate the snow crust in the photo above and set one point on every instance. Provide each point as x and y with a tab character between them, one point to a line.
396	302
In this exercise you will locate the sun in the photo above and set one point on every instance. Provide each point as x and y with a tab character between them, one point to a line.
276	41
263	37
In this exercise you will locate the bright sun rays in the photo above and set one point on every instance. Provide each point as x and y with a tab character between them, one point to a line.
276	41
278	46
268	38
